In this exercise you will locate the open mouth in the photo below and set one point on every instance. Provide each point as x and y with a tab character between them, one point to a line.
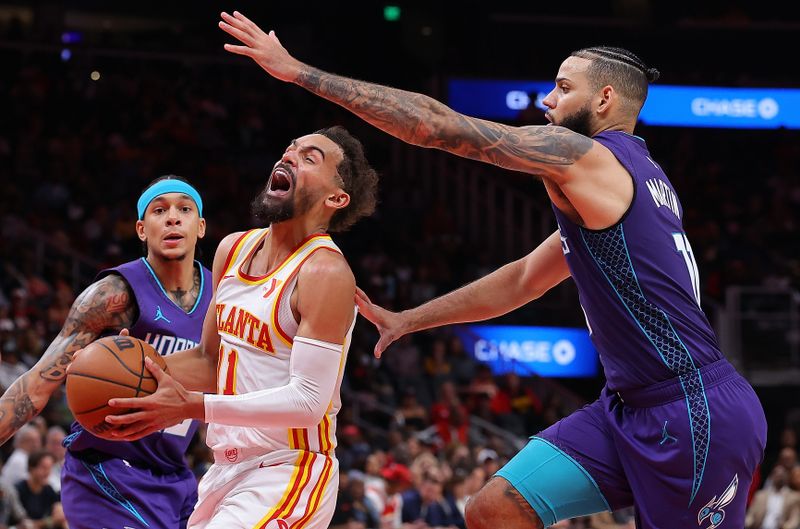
173	238
280	183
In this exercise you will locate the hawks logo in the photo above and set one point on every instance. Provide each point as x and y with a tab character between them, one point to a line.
232	454
713	511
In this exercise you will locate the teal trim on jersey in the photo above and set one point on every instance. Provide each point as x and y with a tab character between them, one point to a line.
701	437
101	478
555	485
158	282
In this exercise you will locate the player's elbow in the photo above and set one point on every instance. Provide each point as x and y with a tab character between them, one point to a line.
310	416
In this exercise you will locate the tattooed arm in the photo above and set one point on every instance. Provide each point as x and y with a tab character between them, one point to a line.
104	305
416	118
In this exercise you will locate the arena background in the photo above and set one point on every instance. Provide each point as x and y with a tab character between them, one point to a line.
97	99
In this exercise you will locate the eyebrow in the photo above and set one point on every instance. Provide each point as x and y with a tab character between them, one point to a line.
559	79
310	147
314	147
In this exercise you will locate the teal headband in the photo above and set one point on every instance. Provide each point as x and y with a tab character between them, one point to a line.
162	187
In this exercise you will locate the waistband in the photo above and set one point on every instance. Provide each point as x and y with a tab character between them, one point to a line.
676	388
269	456
93	456
229	456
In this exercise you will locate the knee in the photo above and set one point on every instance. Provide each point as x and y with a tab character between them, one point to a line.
499	505
478	512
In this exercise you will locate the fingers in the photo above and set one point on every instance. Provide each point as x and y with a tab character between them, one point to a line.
134	432
274	36
124	332
239	50
128	418
236	33
155	369
139	403
360	294
247	22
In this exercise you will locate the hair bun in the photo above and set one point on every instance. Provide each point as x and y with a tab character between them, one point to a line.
652	75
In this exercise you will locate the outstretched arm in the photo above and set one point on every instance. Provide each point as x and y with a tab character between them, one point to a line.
104	305
415	118
498	293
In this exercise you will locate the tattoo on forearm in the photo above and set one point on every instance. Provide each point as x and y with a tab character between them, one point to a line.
16	409
421	120
105	305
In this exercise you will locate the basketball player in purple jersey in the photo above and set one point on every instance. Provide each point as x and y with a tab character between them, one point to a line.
161	299
676	432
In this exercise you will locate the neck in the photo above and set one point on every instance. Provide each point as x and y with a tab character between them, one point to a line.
174	275
35	486
283	238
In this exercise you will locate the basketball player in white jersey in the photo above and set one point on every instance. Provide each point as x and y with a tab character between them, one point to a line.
274	345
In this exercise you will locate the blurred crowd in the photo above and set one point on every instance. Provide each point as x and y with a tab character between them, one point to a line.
424	428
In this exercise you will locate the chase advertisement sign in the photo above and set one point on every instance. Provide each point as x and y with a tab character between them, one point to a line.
543	351
680	106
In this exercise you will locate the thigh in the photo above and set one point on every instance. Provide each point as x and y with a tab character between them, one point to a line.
691	462
301	494
570	469
122	496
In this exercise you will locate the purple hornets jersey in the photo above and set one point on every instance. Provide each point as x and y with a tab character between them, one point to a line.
638	282
168	328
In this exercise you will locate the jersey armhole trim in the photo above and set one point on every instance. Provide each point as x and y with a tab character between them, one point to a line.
233	253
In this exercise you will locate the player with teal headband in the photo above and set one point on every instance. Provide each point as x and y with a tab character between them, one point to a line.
161	298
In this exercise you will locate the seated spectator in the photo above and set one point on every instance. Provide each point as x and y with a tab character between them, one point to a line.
398	481
55	436
411	413
775	506
427	504
450	416
11	510
26	441
40	501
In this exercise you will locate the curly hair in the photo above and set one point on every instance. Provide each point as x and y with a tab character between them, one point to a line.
359	179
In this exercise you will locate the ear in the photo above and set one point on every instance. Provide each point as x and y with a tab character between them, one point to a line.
607	96
201	228
338	200
140	230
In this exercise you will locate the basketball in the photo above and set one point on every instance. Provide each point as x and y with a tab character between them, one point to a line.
111	367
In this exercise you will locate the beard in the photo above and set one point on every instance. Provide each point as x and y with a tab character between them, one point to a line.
267	210
579	121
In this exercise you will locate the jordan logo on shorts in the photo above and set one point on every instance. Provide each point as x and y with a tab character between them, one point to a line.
713	512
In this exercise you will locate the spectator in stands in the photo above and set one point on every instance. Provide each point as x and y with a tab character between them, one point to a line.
41	502
26	441
411	414
11	367
53	445
450	416
398	481
11	510
428	504
775	506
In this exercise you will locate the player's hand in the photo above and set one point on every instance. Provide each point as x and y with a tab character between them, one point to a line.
391	325
169	405
263	48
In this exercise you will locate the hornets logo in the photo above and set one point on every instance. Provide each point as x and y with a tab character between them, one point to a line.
713	512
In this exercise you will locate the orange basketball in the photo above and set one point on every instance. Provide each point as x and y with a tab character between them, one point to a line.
111	367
